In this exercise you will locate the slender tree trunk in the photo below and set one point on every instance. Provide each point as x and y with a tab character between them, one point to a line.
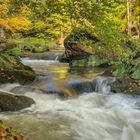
129	21
2	33
139	20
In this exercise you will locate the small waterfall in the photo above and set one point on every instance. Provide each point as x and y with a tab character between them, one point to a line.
103	84
54	57
100	84
57	57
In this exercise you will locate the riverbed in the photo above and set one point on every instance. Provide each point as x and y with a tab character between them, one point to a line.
86	116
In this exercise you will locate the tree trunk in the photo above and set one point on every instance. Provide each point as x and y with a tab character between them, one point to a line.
2	33
129	21
139	20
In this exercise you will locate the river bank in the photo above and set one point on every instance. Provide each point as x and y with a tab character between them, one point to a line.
12	70
10	134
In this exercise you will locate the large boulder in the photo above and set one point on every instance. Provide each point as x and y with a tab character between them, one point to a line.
84	41
79	86
84	48
77	44
12	70
9	102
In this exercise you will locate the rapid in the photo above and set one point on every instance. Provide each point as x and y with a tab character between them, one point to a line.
95	115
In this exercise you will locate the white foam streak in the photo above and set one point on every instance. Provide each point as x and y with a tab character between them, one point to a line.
8	87
37	61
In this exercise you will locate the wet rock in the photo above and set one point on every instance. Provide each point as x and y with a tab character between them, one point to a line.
127	85
63	59
24	89
82	86
9	102
108	70
100	84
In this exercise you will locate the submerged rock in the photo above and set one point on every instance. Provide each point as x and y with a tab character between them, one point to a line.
9	102
23	89
82	86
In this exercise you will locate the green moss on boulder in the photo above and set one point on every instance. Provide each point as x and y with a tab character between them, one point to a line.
85	41
90	61
12	70
9	102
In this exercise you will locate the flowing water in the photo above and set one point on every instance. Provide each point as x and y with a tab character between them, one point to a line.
89	116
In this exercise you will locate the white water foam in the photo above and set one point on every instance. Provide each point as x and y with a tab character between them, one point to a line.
28	61
92	116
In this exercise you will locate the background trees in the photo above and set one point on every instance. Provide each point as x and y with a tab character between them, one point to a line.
50	18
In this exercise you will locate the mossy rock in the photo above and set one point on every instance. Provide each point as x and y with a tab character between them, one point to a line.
78	44
21	76
83	42
90	61
25	76
9	102
12	70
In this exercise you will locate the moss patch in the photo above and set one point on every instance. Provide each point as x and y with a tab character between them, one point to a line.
12	70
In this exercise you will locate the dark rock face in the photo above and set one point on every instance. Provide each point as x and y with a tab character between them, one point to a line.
108	70
84	49
83	42
126	85
9	102
75	47
82	86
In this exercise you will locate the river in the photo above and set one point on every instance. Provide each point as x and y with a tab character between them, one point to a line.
86	116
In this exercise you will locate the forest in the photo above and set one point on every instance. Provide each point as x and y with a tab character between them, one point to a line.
57	54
